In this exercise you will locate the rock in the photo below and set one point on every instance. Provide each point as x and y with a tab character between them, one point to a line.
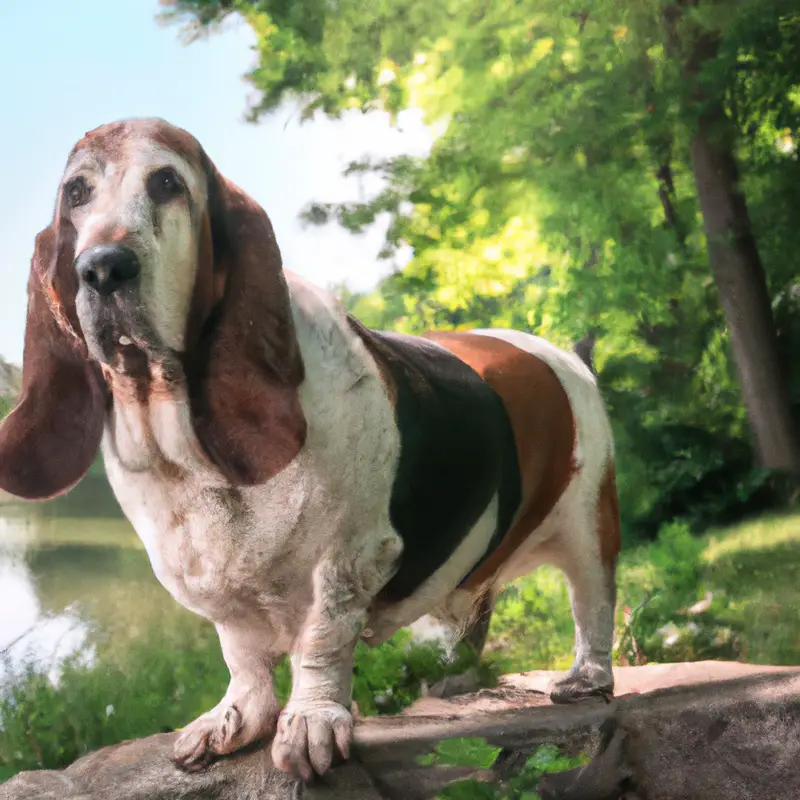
707	731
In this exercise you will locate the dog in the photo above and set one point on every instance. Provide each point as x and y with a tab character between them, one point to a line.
296	478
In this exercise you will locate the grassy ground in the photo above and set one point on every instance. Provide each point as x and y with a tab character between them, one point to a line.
746	579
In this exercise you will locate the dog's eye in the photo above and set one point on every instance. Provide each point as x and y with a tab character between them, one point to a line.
77	192
164	184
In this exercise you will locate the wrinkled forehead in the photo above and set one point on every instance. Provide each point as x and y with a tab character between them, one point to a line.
137	145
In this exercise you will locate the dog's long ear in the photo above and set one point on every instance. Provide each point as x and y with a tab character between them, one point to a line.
49	440
243	358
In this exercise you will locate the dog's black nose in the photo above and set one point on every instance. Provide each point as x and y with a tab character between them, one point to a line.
107	267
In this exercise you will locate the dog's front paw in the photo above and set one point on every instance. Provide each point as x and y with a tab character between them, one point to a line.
309	736
224	730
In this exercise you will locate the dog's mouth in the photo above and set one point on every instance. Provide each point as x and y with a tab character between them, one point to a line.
131	356
117	334
113	343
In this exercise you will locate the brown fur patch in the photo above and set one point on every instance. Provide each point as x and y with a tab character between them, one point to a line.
177	518
543	425
170	471
177	140
608	521
50	440
109	142
243	362
116	235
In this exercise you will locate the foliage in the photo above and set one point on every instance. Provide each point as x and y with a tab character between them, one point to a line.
743	581
660	583
532	624
477	753
389	678
155	684
559	196
469	752
167	678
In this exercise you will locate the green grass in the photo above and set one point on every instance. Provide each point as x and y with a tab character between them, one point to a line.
752	572
165	679
174	672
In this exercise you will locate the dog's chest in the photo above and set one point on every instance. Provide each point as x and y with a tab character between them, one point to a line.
228	552
221	551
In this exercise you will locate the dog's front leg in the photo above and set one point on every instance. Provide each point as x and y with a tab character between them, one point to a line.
316	722
248	711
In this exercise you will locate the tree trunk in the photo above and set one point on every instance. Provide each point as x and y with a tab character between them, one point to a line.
740	279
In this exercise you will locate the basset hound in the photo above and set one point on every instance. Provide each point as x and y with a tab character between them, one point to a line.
297	479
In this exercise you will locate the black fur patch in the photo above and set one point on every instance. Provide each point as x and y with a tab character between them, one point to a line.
456	451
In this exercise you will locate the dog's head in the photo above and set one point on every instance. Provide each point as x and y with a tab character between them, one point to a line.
155	271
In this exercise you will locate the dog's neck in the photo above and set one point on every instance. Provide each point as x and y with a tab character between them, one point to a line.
149	424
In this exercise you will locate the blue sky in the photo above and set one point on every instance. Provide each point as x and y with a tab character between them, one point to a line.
68	67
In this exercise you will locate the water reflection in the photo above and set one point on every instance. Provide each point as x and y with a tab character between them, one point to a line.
27	633
71	569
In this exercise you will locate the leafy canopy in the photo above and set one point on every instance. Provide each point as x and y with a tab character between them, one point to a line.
558	197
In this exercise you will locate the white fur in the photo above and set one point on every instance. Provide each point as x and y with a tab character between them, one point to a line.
303	514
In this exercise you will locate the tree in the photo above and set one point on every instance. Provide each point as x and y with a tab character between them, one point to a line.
577	150
733	253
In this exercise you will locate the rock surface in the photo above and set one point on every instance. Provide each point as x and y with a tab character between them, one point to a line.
705	730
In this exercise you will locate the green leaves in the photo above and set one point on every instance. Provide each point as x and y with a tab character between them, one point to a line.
520	785
466	752
559	196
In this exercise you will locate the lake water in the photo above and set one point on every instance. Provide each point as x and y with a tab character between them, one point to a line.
70	568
